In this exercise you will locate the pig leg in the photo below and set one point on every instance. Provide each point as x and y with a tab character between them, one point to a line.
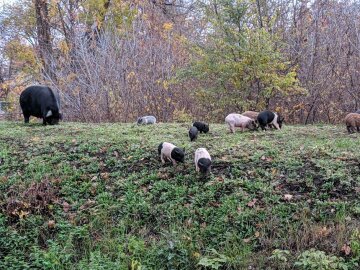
162	158
26	118
276	125
197	167
232	128
358	129
173	162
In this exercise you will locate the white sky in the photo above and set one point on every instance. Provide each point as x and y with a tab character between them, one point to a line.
2	2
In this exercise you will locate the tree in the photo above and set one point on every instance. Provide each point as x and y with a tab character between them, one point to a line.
44	37
238	61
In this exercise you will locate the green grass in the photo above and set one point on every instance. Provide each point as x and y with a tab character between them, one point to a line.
95	196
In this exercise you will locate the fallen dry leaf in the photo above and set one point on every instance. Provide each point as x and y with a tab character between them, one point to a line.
214	204
66	207
104	176
23	214
288	197
346	249
188	222
267	159
93	188
252	203
35	139
323	232
219	179
246	240
51	224
257	234
87	204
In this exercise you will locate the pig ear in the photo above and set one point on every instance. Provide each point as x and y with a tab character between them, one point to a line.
184	149
49	113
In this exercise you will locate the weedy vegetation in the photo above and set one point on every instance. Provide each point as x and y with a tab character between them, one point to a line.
95	196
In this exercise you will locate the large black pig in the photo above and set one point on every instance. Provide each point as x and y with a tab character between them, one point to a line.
41	102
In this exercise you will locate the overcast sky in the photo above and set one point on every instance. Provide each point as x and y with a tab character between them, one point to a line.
2	2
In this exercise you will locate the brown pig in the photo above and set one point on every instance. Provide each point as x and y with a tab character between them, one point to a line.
352	121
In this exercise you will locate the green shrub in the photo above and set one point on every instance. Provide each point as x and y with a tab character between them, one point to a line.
317	260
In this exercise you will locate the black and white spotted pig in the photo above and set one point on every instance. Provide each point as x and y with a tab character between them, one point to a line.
269	118
202	160
168	151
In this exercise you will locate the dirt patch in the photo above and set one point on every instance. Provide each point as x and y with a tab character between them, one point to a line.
222	168
142	164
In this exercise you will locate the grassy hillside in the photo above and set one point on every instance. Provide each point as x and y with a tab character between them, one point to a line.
86	196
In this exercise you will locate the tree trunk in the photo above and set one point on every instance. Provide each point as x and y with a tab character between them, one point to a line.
44	37
259	11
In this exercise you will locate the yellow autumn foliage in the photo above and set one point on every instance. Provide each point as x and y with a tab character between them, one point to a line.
168	26
64	48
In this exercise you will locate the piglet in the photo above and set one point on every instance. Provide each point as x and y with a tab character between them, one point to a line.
146	120
202	127
171	152
202	160
193	133
237	120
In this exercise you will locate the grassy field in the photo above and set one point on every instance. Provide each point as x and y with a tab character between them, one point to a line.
95	196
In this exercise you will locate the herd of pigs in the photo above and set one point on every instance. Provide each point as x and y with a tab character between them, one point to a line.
41	102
